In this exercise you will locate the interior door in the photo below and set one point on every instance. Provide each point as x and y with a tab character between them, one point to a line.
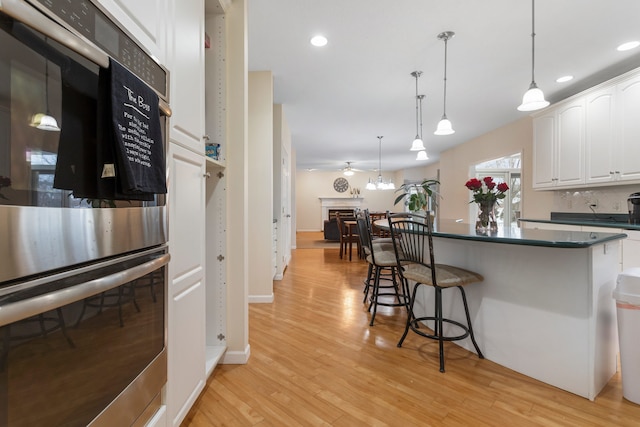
285	230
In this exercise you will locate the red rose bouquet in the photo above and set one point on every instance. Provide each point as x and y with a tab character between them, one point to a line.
486	190
486	193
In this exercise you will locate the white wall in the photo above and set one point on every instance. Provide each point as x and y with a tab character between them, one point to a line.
311	185
516	137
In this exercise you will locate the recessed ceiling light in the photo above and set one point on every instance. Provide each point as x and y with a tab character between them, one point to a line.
628	45
319	41
564	79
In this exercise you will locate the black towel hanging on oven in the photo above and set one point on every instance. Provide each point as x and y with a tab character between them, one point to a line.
137	134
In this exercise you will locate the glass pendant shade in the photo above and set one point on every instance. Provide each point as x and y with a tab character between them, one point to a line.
44	122
370	185
422	155
417	144
348	172
533	99
444	127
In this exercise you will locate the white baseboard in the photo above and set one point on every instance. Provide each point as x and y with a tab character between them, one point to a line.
260	299
236	357
278	276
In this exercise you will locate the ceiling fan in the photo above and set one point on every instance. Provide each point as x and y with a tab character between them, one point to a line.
348	170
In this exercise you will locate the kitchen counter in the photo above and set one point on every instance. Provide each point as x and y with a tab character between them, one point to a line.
604	220
526	236
545	307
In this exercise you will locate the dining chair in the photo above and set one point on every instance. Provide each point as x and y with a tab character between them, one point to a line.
413	245
382	267
347	236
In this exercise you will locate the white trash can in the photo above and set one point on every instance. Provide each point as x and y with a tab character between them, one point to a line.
627	296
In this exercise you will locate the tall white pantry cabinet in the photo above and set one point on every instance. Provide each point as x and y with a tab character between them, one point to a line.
174	32
197	214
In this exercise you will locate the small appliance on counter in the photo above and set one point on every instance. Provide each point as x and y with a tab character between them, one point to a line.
633	202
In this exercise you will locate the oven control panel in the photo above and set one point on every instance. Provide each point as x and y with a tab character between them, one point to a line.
93	24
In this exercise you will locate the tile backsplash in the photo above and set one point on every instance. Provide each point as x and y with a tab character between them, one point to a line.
605	199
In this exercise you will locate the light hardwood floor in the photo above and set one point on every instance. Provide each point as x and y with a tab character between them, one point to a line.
315	361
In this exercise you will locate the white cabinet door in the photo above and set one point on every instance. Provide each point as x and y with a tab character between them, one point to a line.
145	20
558	146
187	73
544	154
628	115
186	307
599	136
631	249
570	144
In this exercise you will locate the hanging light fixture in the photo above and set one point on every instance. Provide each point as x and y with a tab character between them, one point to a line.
380	184
444	125
418	144
422	154
533	98
348	171
45	121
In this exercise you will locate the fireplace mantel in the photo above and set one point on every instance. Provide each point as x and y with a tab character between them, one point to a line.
338	203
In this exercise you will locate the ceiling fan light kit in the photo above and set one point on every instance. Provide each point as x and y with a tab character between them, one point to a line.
348	170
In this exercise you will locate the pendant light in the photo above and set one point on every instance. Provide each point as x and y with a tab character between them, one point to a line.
444	125
533	98
380	184
348	170
422	154
45	121
418	144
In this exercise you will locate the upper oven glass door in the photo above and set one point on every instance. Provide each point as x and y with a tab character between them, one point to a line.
51	150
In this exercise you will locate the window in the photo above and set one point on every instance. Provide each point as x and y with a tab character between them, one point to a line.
505	169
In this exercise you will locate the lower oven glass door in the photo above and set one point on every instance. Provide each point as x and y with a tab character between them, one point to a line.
71	343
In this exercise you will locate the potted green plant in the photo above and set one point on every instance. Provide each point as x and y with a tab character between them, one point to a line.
416	196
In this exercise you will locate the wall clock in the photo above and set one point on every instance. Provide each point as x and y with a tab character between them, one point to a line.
340	185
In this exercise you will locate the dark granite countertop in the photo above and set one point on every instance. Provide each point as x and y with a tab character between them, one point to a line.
604	220
521	236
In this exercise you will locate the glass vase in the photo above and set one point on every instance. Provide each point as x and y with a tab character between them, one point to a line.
486	223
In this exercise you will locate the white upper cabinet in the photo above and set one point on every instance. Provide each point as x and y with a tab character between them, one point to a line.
145	20
186	59
628	128
600	150
570	142
591	139
559	146
544	151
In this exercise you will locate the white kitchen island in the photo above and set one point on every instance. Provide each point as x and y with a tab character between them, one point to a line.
545	307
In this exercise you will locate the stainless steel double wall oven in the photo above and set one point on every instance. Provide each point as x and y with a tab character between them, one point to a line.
82	274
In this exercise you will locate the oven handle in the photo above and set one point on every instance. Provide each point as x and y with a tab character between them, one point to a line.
22	11
30	307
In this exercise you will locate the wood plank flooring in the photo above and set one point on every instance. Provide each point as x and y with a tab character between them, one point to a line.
315	361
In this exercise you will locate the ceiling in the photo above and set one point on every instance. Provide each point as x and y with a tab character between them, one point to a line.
339	98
